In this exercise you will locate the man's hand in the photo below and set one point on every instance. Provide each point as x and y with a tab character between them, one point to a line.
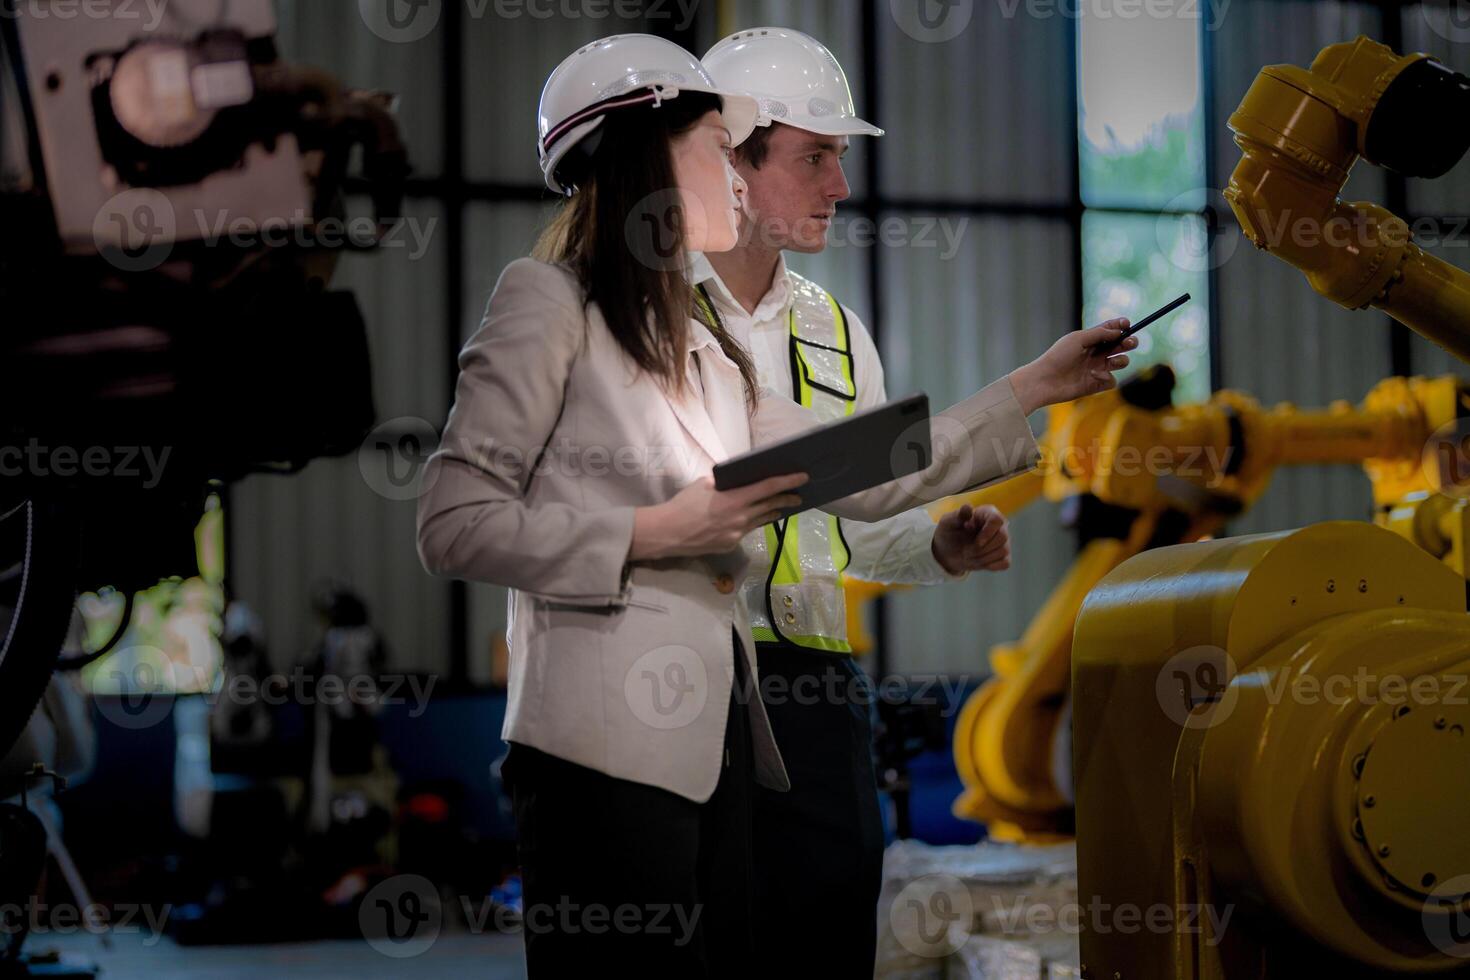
971	539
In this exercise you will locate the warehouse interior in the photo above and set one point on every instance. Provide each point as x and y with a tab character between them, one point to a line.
1045	166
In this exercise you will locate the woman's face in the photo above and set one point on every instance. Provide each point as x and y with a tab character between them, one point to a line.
711	192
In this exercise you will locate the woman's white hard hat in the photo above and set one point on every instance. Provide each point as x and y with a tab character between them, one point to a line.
794	78
619	72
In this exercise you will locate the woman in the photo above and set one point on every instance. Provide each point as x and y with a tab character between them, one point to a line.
575	468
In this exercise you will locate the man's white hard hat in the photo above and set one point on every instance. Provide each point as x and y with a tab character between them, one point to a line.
794	78
618	72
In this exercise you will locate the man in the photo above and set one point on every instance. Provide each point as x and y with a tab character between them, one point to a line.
819	848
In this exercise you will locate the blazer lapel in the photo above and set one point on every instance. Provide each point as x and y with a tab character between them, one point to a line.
696	421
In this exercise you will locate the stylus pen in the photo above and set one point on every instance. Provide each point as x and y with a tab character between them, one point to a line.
1161	311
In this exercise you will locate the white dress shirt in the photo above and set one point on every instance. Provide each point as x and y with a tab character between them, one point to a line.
898	550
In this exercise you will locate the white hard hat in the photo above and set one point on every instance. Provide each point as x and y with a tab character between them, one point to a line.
794	78
617	72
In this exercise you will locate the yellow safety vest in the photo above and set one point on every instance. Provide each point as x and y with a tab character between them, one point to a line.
793	589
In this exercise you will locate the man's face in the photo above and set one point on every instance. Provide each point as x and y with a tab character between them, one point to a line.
794	193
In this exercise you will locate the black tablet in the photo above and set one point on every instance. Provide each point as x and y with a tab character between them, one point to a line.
864	450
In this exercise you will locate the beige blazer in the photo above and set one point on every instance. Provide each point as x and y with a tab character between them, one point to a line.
555	437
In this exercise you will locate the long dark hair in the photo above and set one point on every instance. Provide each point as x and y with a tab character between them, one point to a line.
622	233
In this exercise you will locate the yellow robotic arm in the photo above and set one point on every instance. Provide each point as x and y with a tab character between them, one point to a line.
1270	745
1301	131
1272	728
1166	476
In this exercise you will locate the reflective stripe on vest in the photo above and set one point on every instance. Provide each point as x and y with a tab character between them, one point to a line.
798	597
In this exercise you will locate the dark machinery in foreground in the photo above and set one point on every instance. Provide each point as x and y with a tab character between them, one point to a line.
172	204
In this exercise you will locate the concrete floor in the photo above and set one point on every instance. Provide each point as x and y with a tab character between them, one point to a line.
492	957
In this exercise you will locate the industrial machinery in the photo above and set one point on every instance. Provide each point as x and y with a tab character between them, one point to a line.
174	200
173	195
1270	750
1272	775
1301	131
1137	473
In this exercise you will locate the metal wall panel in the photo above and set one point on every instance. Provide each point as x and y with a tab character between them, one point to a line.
984	115
836	23
506	62
495	236
337	37
842	268
1283	342
328	524
334	519
1280	340
950	326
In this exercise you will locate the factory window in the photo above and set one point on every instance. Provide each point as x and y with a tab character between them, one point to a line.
1142	173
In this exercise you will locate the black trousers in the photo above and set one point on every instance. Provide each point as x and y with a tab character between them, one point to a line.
819	847
621	877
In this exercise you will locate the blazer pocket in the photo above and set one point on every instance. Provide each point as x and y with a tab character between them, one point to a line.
640	598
